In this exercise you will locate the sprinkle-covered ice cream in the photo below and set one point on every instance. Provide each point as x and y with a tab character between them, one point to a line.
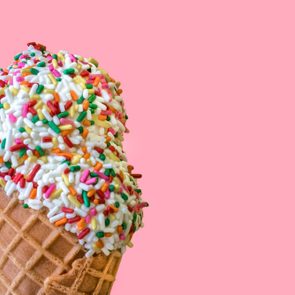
62	121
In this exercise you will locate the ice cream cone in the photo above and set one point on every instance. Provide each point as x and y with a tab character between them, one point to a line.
37	257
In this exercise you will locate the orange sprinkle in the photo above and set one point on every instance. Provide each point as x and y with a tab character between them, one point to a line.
107	235
108	138
119	229
85	133
66	132
56	97
99	244
102	117
96	81
84	149
104	187
56	150
96	201
85	105
74	95
119	91
1	160
67	155
72	191
81	224
98	166
61	221
115	209
91	193
33	193
87	156
86	123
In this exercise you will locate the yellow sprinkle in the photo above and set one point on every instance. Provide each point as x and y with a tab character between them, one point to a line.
54	63
93	223
104	124
38	104
93	61
72	111
79	66
65	179
113	157
76	159
56	193
54	141
6	106
52	79
90	91
28	130
44	159
65	127
36	96
112	217
1	91
48	91
60	56
40	114
32	159
24	88
74	201
2	182
82	85
14	91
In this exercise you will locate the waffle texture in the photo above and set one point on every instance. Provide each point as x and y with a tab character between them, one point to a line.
37	257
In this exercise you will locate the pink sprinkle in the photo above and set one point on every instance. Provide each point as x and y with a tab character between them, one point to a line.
93	212
56	73
122	236
88	219
65	121
91	181
83	233
112	130
21	65
20	79
12	118
84	175
50	190
72	57
51	68
25	110
18	141
101	175
106	113
107	194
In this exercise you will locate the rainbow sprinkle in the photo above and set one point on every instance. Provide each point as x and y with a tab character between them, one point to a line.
62	124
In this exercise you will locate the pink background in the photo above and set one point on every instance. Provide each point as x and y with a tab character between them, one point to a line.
210	92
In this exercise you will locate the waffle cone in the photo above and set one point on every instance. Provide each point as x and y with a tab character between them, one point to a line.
37	257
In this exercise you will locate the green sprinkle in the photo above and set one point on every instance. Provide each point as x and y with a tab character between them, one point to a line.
80	100
69	71
40	88
102	157
80	129
54	127
124	196
34	71
134	217
100	234
124	225
58	79
40	150
54	56
32	54
82	116
93	106
89	86
75	168
35	119
85	199
67	162
3	143
26	206
126	117
111	187
108	118
22	152
113	173
17	56
63	114
138	190
93	174
107	222
92	98
8	164
44	121
1	105
41	64
92	122
21	129
117	204
107	172
92	111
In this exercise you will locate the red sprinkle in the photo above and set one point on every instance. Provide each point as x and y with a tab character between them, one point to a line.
67	210
17	147
33	173
47	139
22	183
68	104
68	141
83	233
74	219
